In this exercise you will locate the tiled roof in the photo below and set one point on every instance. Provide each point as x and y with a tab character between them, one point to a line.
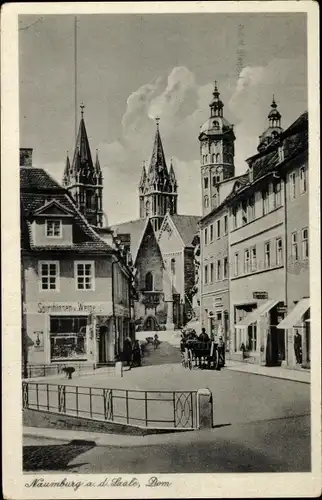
33	179
37	188
135	229
186	226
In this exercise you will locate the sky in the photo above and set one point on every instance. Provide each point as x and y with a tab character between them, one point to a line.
133	68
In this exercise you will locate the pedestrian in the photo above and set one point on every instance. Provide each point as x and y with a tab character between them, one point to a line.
137	354
298	347
156	341
203	337
127	351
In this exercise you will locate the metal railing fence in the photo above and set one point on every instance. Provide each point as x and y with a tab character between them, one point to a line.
168	409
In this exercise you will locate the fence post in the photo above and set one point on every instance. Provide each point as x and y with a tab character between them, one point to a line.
25	402
146	407
204	409
61	398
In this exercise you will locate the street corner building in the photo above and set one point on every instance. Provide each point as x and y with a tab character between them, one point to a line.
161	243
254	250
76	285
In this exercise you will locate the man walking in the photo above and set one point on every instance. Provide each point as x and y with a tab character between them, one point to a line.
298	347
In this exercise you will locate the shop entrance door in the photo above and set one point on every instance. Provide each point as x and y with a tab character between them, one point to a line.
275	352
102	345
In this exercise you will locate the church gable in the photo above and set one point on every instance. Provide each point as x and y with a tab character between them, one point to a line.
169	238
149	260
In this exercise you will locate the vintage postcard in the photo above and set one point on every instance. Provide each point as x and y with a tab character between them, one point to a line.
160	250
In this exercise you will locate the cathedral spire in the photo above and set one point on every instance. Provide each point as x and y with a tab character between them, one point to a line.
143	177
67	172
172	176
158	168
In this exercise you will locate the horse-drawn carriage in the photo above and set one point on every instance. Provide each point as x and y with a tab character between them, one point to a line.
209	355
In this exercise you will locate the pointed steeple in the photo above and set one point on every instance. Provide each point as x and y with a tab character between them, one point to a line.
82	164
143	178
66	176
158	171
172	176
98	169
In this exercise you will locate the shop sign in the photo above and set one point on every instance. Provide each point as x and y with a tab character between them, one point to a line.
68	307
260	295
281	310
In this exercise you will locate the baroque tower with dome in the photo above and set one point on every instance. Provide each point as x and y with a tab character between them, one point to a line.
217	151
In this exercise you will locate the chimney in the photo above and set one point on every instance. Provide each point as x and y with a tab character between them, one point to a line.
26	157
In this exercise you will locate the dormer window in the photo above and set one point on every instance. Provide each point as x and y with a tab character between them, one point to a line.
53	228
215	125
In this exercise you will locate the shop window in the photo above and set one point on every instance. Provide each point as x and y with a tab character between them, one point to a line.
49	275
295	251
149	282
67	338
292	185
279	251
305	244
253	259
236	264
246	261
53	228
84	275
303	180
267	255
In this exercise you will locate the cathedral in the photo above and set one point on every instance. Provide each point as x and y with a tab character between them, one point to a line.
159	245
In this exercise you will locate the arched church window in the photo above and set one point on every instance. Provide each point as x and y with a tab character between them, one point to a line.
206	158
147	209
149	282
213	158
217	158
206	201
173	266
215	125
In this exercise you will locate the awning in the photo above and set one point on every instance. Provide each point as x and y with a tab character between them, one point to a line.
295	315
255	315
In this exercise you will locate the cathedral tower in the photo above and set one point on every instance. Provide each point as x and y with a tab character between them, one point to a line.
274	127
216	153
158	186
84	180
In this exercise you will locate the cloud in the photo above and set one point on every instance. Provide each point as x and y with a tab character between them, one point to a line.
183	106
252	96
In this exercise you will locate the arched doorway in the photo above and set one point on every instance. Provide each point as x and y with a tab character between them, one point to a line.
150	324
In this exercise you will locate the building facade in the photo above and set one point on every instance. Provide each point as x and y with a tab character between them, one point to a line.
257	267
76	287
161	245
